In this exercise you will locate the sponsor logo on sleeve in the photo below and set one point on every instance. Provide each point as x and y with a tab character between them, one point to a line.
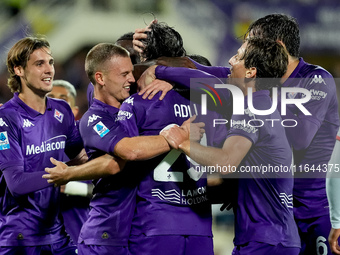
101	129
27	123
92	118
318	79
129	100
4	143
2	123
58	115
318	94
123	115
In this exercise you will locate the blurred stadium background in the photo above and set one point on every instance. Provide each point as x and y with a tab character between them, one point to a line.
209	27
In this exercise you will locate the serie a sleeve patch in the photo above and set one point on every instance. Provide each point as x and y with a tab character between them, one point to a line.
101	129
4	142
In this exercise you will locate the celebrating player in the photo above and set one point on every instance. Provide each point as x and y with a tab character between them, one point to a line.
264	222
33	129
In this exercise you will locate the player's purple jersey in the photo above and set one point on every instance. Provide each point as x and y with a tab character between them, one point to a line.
196	79
114	199
172	196
221	72
29	212
309	193
89	93
264	211
310	199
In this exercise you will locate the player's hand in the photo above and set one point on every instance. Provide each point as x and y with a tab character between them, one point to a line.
147	77
179	137
195	130
154	87
176	62
333	240
175	136
139	35
57	174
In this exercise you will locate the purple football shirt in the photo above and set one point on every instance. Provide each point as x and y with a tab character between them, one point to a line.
314	145
172	196
29	214
264	211
89	93
114	199
189	77
311	161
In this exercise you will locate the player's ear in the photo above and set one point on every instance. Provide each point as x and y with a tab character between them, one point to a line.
19	70
251	72
99	76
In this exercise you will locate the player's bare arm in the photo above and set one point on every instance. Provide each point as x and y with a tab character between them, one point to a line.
235	148
97	168
141	147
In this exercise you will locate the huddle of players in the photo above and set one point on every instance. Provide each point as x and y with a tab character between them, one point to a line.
163	199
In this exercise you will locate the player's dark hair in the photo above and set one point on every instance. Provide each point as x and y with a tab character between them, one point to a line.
162	41
19	55
127	36
278	27
98	55
270	60
125	41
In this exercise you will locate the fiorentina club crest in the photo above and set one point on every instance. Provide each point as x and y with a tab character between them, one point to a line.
58	115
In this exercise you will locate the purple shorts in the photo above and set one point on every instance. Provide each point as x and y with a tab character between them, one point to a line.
314	235
84	249
255	248
64	247
171	245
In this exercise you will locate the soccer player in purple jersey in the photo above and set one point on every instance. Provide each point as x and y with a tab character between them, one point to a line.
124	41
33	128
108	227
264	221
313	137
173	214
75	195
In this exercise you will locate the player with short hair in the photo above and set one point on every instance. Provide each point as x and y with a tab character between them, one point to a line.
107	229
33	129
101	120
124	41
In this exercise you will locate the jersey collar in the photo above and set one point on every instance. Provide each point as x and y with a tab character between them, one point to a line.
29	110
